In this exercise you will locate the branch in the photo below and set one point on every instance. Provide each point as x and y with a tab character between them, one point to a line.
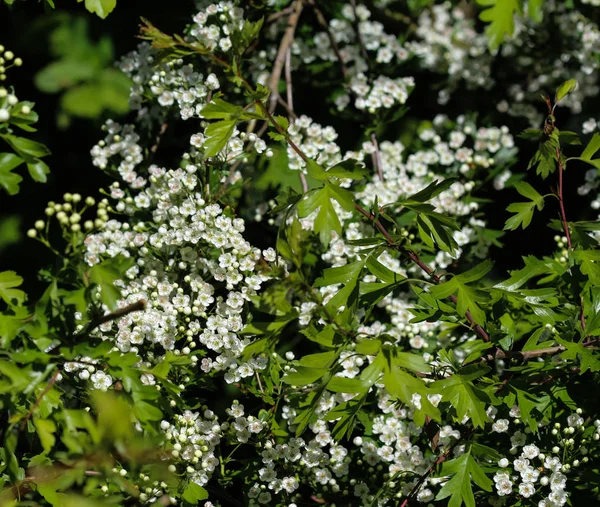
377	162
442	457
526	355
286	42
323	22
415	258
138	306
361	43
561	202
39	399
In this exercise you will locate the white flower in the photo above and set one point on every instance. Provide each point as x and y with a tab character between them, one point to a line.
500	426
101	380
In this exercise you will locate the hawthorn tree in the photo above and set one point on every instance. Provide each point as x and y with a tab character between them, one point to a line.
264	311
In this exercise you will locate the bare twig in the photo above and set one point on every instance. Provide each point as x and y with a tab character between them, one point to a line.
526	355
323	22
138	306
377	162
289	88
288	80
277	15
361	43
163	129
286	42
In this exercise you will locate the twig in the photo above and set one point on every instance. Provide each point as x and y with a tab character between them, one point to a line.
286	42
259	383
163	129
443	457
323	22
138	306
361	43
287	108
561	202
288	80
39	399
376	155
415	258
290	104
526	355
276	15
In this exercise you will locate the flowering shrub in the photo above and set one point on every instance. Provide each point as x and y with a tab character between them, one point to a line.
286	307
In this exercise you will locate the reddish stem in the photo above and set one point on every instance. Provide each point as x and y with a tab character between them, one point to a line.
561	203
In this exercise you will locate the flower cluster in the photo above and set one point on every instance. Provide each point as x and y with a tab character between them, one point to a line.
447	42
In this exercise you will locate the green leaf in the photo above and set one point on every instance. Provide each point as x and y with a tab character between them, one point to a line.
304	375
432	190
106	273
463	469
341	274
524	210
589	263
544	159
467	297
592	147
327	220
564	89
533	267
535	10
26	148
466	399
38	171
100	7
8	281
45	430
218	133
193	493
575	350
219	109
9	180
348	169
500	15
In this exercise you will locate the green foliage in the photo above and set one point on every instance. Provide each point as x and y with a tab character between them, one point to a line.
500	16
118	382
464	470
83	73
25	151
102	8
524	210
468	298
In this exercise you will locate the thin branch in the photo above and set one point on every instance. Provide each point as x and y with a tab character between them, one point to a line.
323	22
138	306
163	129
442	457
561	202
275	16
288	80
376	155
526	355
290	104
361	43
415	258
287	108
39	399
286	42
